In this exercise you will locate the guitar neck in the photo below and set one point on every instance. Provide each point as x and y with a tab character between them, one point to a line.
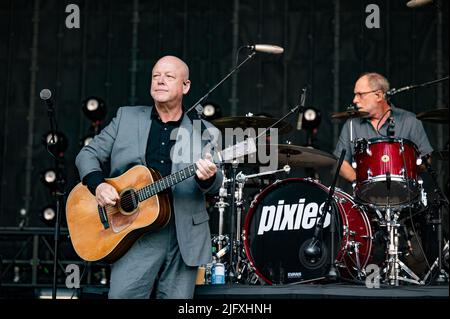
166	182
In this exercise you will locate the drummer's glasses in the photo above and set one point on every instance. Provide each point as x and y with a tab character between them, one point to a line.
360	95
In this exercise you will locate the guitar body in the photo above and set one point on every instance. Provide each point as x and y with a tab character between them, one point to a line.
107	236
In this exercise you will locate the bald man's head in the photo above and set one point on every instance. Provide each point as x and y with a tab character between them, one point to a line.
170	81
180	64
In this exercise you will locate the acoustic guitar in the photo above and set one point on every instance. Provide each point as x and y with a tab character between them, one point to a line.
106	233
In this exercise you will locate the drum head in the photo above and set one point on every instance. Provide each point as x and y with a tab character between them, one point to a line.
279	227
377	193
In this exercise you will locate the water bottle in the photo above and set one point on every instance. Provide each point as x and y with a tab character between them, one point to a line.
218	274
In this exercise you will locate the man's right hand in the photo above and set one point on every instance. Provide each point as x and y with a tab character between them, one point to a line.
106	194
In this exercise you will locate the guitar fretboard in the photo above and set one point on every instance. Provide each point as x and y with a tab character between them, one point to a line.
166	182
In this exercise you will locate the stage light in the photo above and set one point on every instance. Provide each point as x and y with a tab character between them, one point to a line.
51	179
87	139
211	111
309	119
94	108
48	215
48	178
55	143
61	293
101	276
16	278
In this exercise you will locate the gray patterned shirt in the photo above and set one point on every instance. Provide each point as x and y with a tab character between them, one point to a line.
406	126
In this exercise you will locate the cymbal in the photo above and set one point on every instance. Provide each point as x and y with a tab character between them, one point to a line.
434	116
351	113
245	122
440	155
301	156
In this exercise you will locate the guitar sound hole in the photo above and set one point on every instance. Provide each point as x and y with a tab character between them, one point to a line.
128	201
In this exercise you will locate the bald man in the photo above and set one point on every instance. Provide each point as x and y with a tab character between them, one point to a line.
164	262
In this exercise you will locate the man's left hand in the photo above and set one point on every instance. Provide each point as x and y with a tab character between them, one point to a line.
205	168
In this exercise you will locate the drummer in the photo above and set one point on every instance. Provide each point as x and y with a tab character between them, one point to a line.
382	120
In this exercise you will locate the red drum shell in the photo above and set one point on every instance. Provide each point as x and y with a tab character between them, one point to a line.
377	161
281	222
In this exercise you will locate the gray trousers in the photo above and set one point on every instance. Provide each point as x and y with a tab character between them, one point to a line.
154	262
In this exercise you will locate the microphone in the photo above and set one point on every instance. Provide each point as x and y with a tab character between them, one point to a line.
301	109
391	126
46	96
417	3
394	91
266	48
314	249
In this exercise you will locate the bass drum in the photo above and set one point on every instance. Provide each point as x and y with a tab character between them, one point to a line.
280	224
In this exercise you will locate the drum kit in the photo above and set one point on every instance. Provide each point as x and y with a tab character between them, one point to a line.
267	241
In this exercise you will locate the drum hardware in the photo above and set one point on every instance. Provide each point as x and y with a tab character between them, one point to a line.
241	263
302	156
237	244
251	121
442	275
351	112
235	257
393	264
221	205
434	116
242	178
380	215
354	249
439	203
232	251
423	194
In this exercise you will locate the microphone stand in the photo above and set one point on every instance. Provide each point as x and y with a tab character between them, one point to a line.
394	91
313	250
59	193
291	111
198	106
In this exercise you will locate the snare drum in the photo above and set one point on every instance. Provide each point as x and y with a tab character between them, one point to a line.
281	222
386	171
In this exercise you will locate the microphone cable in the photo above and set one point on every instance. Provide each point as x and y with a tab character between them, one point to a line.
379	122
237	54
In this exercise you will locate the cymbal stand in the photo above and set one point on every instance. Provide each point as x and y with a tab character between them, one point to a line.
232	257
222	240
242	263
443	276
440	202
237	244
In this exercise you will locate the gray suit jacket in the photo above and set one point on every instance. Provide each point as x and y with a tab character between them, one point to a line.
123	144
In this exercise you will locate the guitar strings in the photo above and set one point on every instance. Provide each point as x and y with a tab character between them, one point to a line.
164	182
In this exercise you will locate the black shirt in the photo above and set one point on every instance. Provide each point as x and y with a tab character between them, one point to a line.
159	144
157	153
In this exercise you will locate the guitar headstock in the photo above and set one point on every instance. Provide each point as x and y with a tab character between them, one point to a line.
238	151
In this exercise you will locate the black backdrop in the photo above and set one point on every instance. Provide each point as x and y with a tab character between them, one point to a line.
327	45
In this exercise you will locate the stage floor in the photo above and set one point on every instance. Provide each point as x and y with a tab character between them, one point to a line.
266	292
320	291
